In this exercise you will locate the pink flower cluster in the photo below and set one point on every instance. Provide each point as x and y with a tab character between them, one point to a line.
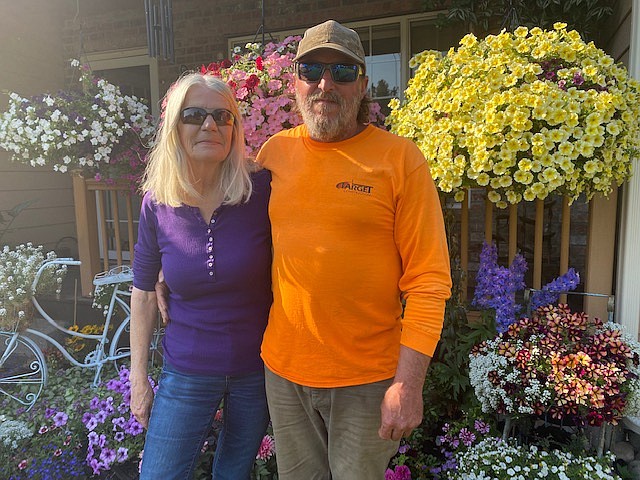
263	85
400	472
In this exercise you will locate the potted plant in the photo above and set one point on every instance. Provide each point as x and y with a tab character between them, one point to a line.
501	460
524	114
560	365
94	130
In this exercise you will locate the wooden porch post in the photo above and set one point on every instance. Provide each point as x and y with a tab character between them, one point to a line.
87	231
600	252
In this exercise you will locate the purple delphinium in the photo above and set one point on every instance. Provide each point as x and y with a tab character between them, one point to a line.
496	286
550	293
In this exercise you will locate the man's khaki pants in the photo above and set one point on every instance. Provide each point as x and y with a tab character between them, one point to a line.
328	433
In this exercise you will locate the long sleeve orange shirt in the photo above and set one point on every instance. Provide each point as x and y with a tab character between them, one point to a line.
357	227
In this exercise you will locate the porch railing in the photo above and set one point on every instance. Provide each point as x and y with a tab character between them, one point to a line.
106	218
596	257
106	222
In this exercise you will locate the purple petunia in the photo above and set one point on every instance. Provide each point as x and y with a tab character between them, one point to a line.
467	437
122	455
60	419
481	427
404	448
108	455
400	472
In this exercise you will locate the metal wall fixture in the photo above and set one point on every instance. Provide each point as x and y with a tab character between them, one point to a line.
159	15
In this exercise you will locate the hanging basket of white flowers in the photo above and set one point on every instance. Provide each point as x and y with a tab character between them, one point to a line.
94	129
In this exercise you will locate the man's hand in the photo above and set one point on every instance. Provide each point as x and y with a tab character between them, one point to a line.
162	295
402	405
401	411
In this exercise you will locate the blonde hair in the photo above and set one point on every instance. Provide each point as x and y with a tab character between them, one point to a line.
167	175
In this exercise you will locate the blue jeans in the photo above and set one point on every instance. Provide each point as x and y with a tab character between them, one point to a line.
182	415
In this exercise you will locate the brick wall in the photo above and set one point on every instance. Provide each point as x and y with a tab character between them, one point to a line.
202	28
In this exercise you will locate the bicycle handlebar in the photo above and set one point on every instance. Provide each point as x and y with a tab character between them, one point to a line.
47	264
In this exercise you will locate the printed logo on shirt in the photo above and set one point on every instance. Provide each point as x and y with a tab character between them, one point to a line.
355	187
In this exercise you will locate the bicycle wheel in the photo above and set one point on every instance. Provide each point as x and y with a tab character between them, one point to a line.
23	369
120	346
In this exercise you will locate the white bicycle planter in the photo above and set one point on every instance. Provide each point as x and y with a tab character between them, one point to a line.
23	369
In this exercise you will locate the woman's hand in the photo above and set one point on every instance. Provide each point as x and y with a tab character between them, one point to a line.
141	400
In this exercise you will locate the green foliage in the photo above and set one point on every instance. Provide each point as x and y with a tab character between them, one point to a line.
447	391
447	387
585	16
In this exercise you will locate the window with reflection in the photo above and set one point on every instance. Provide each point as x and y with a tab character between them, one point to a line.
382	49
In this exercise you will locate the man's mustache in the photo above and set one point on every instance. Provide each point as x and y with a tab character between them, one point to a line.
327	96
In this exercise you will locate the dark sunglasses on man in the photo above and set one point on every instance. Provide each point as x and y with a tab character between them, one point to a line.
196	116
340	72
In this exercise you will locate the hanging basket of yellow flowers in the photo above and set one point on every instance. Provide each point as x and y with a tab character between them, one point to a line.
525	114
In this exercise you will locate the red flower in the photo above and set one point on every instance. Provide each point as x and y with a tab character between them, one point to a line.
213	68
252	81
259	64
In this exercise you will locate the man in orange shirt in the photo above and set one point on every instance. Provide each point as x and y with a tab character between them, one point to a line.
360	274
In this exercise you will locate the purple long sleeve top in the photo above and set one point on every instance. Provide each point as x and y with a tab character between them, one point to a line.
219	275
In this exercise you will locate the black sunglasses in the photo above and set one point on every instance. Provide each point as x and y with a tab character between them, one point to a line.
340	72
197	116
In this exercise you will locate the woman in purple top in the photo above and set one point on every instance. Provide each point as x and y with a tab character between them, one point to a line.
204	223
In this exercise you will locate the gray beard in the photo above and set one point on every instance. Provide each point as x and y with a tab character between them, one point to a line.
324	127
